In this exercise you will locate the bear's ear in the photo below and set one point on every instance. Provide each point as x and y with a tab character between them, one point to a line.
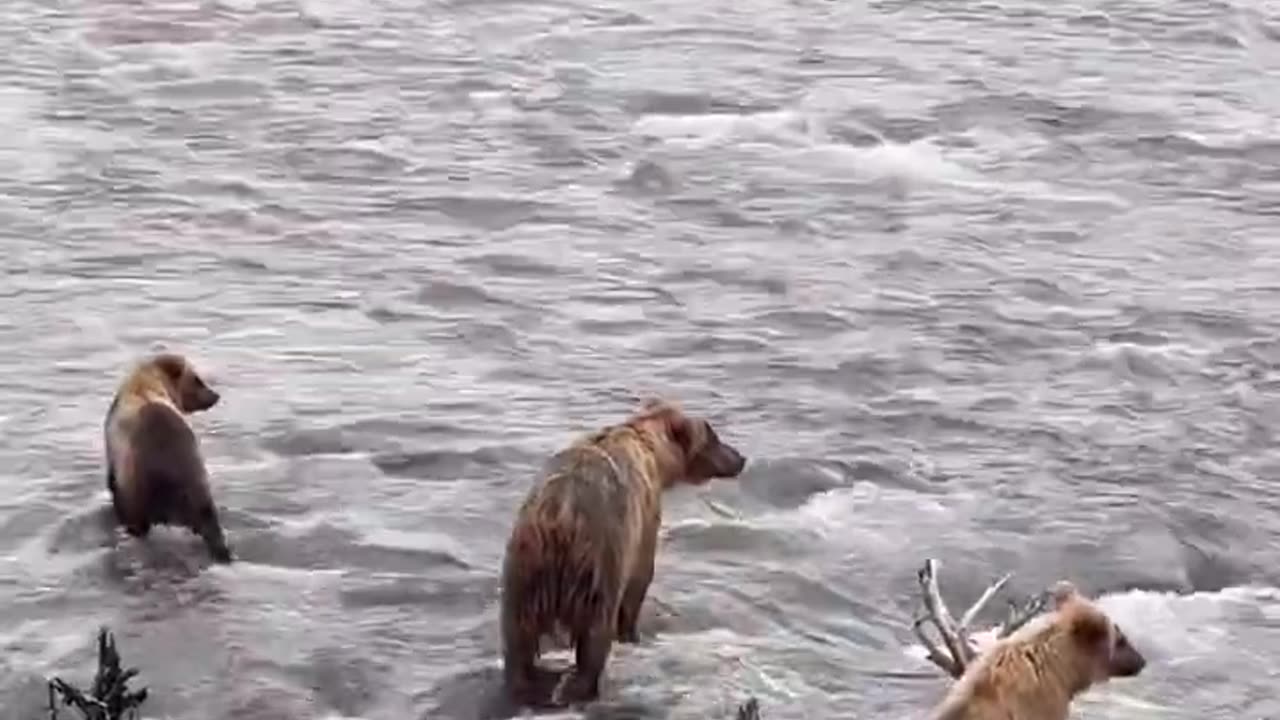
172	365
1092	631
652	405
681	429
1062	593
689	434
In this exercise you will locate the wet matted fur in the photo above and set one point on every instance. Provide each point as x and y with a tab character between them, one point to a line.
581	553
155	472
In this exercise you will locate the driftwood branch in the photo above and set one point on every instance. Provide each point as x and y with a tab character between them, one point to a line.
110	697
1019	614
957	650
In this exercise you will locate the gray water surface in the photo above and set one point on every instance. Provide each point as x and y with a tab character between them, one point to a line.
996	283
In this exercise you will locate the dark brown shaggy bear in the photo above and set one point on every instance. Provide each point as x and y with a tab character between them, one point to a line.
1036	672
155	472
581	552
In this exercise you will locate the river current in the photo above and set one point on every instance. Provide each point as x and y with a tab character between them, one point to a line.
996	283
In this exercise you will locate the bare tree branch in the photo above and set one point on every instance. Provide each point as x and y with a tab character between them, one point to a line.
960	650
953	636
110	697
1020	614
967	619
936	654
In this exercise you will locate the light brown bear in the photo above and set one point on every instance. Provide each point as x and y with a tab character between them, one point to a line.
581	552
1036	672
155	472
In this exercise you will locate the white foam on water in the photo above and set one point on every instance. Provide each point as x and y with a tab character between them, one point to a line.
1181	630
1179	627
422	540
28	147
796	142
1173	625
713	129
727	656
868	517
921	161
353	12
44	643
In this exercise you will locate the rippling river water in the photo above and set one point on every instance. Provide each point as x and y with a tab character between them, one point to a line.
992	282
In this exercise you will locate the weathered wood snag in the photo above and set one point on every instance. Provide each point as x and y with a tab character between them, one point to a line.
960	649
110	697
